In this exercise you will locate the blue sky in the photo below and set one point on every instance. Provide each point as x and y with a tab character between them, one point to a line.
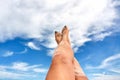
27	37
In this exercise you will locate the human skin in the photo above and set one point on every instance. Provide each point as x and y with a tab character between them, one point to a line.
64	66
79	74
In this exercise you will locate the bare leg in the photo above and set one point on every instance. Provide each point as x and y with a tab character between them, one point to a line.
62	63
79	74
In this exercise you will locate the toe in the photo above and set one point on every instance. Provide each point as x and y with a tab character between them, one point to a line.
58	37
64	30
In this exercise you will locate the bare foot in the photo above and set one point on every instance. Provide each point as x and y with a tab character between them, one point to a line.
58	37
65	33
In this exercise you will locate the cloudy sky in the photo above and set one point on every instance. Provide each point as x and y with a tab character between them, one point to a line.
27	36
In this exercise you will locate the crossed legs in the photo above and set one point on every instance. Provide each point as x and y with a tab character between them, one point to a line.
64	66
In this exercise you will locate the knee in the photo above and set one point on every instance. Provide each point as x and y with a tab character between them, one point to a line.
61	59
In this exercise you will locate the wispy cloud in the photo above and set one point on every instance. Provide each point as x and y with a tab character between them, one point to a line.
24	51
50	52
32	46
110	66
41	70
103	76
14	75
22	66
108	63
21	70
90	19
8	53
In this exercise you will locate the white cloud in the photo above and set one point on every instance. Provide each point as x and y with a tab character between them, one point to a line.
108	64
110	60
39	18
20	66
21	70
24	51
8	53
101	36
105	77
32	46
14	76
50	52
11	53
40	70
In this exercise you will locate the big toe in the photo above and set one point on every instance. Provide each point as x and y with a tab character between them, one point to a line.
65	30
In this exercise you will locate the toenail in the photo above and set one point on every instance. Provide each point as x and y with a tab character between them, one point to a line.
55	32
